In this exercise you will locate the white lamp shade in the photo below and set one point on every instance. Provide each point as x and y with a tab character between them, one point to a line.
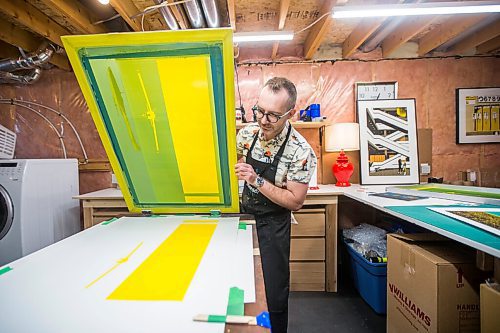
342	136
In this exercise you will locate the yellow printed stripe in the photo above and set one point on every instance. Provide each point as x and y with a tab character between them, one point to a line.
190	110
167	273
118	263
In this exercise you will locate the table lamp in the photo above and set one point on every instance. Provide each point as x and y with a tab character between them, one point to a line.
342	137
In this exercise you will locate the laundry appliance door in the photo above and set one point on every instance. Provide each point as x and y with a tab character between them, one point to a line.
6	212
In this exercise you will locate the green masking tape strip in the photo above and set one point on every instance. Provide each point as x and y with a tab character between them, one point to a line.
109	221
155	216
216	319
242	226
215	213
236	304
5	270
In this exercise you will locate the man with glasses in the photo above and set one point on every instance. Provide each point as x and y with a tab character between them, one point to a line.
276	163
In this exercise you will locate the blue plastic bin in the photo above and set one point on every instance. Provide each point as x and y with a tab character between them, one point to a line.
370	279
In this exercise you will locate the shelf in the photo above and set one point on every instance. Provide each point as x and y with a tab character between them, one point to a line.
296	124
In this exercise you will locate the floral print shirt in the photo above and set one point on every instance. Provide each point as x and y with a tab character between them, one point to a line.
298	161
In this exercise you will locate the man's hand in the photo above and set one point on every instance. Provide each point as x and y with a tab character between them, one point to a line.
245	172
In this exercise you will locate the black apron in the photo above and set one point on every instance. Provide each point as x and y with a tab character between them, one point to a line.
273	231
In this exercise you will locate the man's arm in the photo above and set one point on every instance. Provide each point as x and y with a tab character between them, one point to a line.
292	197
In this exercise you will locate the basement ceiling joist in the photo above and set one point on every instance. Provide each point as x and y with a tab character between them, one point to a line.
284	5
70	13
33	19
13	35
318	31
127	9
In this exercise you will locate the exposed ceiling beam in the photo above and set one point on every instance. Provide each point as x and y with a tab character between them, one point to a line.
232	14
126	9
491	45
8	51
404	32
76	14
451	28
361	33
179	17
284	5
478	37
318	31
33	19
18	37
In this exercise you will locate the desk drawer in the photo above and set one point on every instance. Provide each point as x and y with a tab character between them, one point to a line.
310	224
307	276
307	249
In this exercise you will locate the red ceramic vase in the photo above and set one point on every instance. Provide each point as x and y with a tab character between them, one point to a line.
342	170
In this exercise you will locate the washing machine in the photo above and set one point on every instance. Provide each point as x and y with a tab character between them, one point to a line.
36	205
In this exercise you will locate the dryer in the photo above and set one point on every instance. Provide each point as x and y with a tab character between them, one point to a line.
36	205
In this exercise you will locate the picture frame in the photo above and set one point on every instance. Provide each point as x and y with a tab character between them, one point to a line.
388	142
478	115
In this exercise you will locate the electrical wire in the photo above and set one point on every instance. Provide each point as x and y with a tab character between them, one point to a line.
8	101
310	25
51	125
106	20
150	9
237	82
66	119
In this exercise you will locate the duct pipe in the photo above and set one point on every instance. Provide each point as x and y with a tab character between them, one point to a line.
211	13
34	60
31	77
167	16
194	14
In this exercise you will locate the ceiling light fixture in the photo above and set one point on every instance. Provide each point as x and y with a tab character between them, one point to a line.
262	36
412	9
103	2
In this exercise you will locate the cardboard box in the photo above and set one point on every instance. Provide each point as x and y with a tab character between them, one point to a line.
432	285
490	301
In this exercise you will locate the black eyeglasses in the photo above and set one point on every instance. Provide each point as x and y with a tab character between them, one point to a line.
259	113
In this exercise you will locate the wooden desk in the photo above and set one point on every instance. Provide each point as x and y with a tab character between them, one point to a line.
313	248
253	309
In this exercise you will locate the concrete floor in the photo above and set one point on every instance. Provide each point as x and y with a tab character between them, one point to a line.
323	312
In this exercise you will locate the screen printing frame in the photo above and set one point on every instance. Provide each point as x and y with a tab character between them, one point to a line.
214	49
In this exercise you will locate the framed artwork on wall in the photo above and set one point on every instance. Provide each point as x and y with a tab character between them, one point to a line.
388	141
478	113
376	90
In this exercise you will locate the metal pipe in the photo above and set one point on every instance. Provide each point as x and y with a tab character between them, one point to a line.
193	11
167	16
31	77
34	60
211	13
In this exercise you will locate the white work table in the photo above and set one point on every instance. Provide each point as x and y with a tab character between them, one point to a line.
328	195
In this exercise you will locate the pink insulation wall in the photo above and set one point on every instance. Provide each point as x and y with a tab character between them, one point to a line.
59	90
432	82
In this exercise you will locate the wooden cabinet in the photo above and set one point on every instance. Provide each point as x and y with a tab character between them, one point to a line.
308	251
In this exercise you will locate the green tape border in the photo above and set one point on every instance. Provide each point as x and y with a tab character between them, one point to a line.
109	221
216	319
236	303
6	269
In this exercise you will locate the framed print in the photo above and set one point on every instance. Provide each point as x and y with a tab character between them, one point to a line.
388	141
376	90
478	115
